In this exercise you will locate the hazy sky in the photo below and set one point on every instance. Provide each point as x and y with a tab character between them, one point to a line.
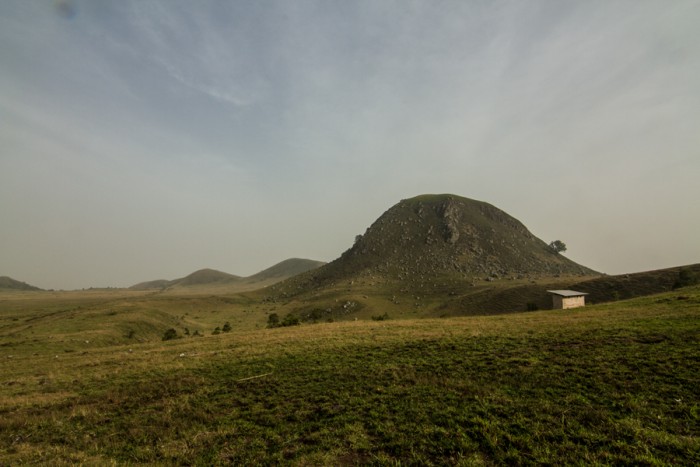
147	139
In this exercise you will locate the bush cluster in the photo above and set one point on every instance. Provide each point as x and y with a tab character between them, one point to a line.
225	328
273	321
686	277
383	317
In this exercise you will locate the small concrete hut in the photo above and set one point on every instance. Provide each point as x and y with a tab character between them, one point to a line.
565	299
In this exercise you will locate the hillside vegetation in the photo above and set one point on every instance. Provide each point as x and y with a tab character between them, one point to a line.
609	384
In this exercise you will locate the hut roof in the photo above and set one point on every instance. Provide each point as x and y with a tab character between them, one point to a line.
567	293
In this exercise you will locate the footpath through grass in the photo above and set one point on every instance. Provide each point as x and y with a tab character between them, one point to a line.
612	384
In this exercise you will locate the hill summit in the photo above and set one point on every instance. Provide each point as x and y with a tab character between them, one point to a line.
438	235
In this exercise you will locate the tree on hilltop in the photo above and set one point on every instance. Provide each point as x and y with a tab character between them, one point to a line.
558	246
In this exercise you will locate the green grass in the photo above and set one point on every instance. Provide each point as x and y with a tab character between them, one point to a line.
609	384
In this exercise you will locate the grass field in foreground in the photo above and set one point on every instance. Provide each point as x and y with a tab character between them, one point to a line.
610	384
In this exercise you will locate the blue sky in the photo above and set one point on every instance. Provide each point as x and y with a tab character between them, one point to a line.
147	139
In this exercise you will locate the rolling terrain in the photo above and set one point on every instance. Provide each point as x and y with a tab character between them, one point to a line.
206	281
607	384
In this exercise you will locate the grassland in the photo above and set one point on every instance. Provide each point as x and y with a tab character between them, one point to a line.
613	383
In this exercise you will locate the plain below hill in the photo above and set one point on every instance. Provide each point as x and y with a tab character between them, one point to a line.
213	281
8	283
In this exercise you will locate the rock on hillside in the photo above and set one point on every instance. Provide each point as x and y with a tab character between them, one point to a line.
8	283
434	235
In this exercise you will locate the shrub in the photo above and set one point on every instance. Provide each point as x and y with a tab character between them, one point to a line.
316	314
170	334
290	320
273	320
686	277
383	317
227	327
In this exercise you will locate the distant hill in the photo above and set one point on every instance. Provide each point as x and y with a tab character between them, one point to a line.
211	280
285	269
152	285
197	278
8	283
206	276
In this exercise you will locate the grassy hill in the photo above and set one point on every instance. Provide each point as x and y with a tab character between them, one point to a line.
8	283
608	384
611	288
205	276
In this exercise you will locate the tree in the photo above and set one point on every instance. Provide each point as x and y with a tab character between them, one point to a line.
273	320
290	320
558	246
686	277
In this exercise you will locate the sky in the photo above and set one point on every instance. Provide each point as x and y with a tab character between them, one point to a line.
143	139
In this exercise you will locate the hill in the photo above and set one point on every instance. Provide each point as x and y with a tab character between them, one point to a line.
8	283
624	286
206	276
213	281
285	269
197	278
433	235
157	284
431	250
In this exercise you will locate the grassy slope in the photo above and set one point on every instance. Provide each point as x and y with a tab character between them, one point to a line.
67	322
453	295
615	383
